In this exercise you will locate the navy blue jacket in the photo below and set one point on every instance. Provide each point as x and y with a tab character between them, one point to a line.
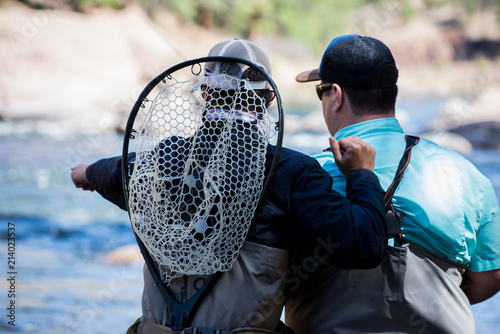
301	213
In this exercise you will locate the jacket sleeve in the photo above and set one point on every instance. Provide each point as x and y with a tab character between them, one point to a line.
106	177
348	232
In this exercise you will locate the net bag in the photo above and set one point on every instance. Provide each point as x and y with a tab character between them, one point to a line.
199	169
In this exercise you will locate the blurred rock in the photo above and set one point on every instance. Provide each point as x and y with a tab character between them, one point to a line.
483	135
83	72
125	254
422	42
477	120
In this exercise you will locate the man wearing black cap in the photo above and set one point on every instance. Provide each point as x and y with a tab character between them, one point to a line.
443	215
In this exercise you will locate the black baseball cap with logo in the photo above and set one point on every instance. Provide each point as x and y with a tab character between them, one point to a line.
355	61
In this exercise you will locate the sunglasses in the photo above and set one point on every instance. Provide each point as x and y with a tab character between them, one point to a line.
321	88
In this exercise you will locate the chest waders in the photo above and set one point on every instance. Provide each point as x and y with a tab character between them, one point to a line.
411	291
248	299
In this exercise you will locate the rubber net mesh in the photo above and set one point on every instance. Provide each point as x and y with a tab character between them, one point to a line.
199	173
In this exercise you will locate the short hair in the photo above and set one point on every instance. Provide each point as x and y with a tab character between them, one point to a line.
377	101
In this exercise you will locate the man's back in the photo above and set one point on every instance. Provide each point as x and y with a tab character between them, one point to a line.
451	222
446	201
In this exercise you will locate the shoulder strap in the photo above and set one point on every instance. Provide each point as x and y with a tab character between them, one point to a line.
392	218
411	141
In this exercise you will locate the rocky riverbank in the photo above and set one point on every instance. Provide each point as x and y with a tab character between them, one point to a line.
70	71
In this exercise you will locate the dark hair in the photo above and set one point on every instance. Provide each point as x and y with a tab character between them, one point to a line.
378	101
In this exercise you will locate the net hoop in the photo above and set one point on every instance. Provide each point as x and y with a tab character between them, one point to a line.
195	66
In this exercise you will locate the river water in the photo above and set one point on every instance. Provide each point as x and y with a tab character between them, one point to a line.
60	280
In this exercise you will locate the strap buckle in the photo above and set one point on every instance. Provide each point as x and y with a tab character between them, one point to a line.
178	320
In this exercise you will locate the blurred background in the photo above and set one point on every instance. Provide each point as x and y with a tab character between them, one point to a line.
70	71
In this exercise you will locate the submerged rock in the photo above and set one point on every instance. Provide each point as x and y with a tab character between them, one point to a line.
483	135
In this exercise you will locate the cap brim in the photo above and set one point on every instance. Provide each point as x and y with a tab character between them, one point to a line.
306	76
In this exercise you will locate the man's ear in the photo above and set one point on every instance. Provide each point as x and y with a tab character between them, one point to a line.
338	96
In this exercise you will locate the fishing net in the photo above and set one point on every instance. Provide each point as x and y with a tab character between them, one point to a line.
199	170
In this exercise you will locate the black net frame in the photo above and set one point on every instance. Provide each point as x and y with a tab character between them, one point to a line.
196	68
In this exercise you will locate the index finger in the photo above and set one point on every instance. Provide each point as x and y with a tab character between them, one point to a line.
335	148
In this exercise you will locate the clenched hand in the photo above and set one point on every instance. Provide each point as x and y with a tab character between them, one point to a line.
352	153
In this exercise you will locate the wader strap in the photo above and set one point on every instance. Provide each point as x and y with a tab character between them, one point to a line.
393	218
181	314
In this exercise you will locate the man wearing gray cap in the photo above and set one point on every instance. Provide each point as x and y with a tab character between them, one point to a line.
442	214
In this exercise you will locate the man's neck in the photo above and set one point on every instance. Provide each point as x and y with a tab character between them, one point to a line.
354	119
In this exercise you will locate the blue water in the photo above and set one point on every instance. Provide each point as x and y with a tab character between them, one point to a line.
63	280
64	283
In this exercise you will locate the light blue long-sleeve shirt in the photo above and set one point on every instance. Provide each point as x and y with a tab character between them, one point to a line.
450	207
